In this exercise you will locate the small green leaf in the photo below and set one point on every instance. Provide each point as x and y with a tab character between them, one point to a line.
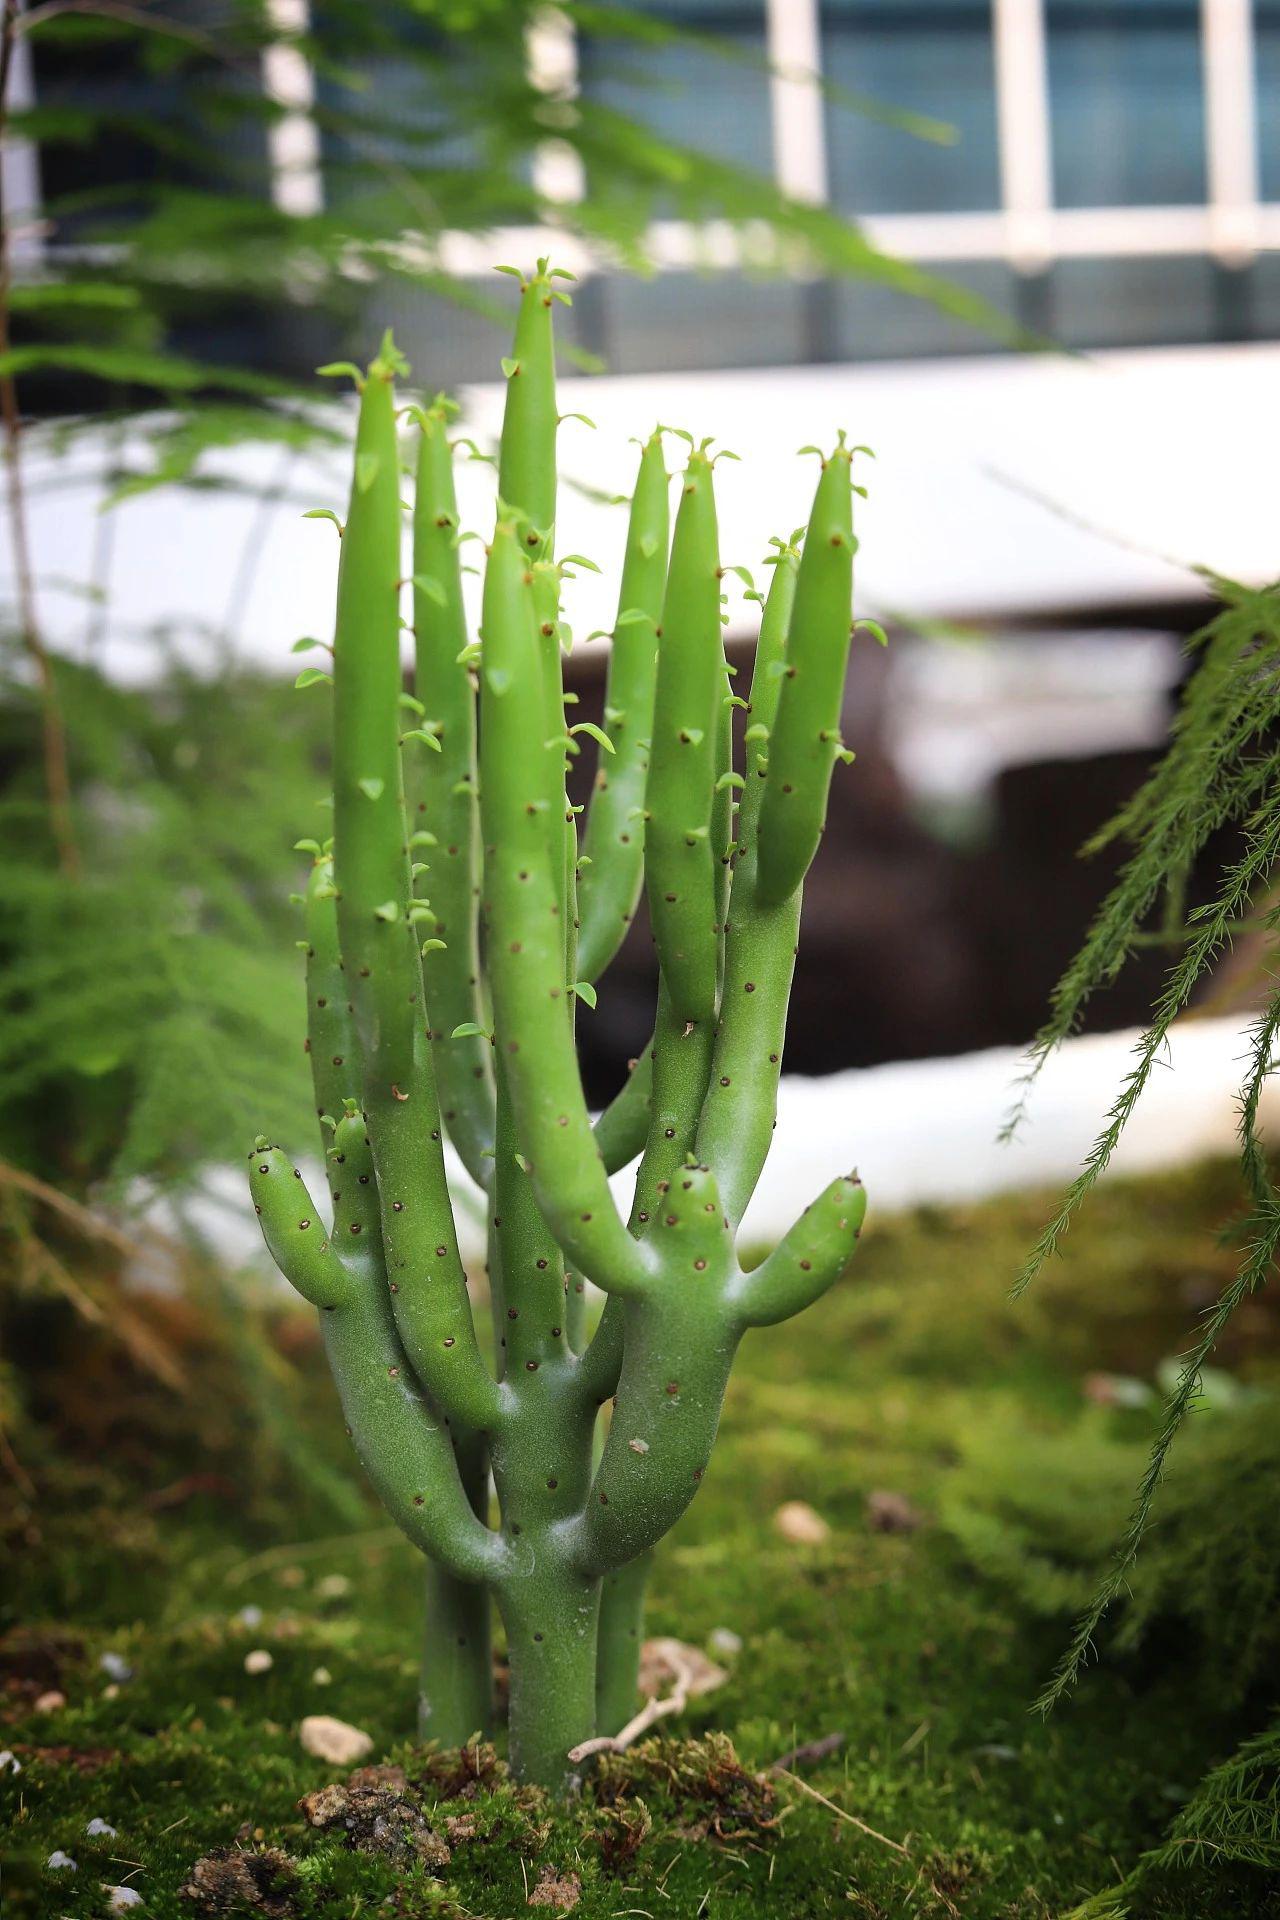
426	735
632	618
597	733
510	367
340	369
373	789
757	731
586	420
423	839
308	846
846	754
521	1162
579	560
874	628
470	655
648	545
469	1031
323	513
515	272
366	471
729	780
305	645
433	946
432	588
388	911
313	677
691	736
414	705
585	992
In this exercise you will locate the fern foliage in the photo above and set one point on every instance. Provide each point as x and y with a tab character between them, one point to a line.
145	1009
1221	769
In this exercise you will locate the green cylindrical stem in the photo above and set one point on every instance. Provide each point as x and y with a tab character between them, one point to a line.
531	1324
683	759
337	1073
810	1258
371	861
805	736
766	686
682	1055
446	812
403	1447
455	1693
623	1127
294	1232
526	947
678	1346
675	1368
551	1618
622	1602
527	457
613	871
735	1129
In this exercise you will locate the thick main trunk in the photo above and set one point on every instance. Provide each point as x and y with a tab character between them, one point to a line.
551	1616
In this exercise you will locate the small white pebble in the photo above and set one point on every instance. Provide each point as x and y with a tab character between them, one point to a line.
9	1762
334	1586
259	1661
60	1862
250	1616
322	1677
116	1667
800	1525
336	1741
101	1829
118	1898
725	1642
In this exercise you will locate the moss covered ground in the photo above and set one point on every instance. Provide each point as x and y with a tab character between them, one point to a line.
181	1529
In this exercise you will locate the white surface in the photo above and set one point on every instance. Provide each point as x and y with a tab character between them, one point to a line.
1139	456
916	1131
926	1130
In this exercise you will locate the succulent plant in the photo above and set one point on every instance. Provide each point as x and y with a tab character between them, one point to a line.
449	947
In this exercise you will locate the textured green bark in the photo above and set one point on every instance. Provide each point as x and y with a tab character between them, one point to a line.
443	979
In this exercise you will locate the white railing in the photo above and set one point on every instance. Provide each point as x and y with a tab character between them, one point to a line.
1027	231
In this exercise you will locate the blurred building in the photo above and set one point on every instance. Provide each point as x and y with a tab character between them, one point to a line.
1105	173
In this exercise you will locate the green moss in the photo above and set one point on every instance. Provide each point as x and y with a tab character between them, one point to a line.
922	1648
